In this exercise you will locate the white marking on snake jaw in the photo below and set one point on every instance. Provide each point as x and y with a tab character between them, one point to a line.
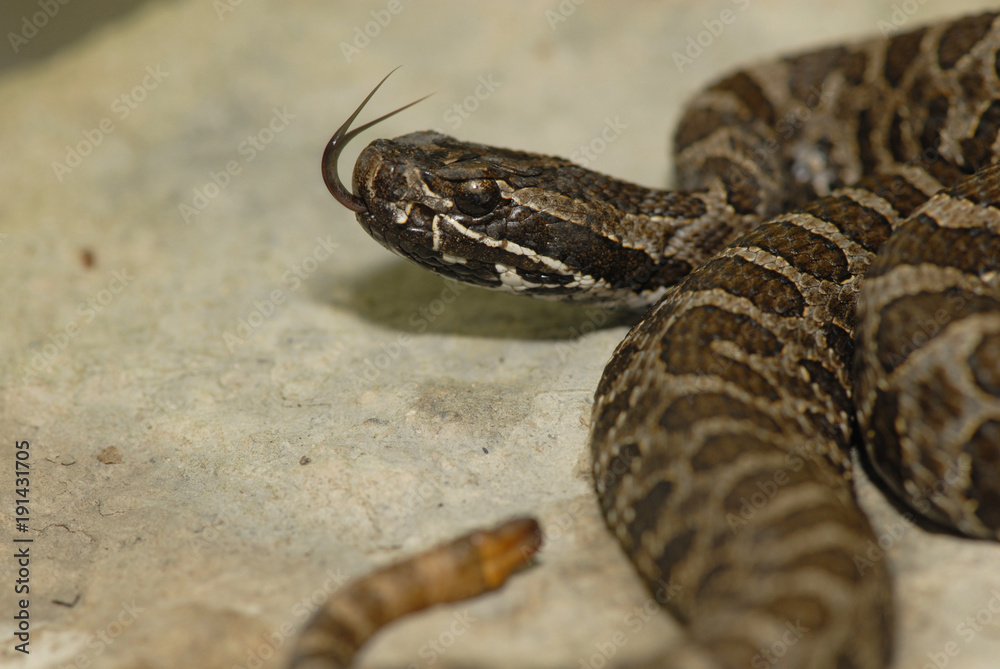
504	244
436	233
436	245
400	215
590	288
486	240
513	281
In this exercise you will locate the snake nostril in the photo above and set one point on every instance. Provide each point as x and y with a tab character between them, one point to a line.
366	165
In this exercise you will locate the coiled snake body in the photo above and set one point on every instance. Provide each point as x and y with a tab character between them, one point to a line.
744	379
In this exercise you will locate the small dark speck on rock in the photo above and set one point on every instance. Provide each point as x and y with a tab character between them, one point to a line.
485	450
305	460
68	604
110	456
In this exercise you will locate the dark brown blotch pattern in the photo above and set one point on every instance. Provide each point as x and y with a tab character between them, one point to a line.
960	37
719	449
984	449
742	188
857	222
749	92
899	55
769	290
806	251
977	148
922	240
689	409
985	364
909	322
647	516
687	343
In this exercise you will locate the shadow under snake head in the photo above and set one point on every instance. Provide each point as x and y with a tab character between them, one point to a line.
515	221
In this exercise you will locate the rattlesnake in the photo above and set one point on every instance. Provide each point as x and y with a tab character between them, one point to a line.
722	425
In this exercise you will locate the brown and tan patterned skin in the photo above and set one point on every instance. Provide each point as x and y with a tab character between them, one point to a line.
722	425
928	367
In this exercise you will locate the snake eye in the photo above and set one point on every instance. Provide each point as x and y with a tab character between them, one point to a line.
477	197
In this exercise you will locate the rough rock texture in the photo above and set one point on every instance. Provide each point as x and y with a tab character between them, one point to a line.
290	405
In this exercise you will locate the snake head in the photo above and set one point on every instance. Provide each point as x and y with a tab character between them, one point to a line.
472	213
503	219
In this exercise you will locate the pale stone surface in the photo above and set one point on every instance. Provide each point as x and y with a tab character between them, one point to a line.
216	353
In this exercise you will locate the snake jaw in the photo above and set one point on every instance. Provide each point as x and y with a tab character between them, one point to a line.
335	146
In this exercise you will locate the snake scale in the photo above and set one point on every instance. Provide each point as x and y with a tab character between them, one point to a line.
723	424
